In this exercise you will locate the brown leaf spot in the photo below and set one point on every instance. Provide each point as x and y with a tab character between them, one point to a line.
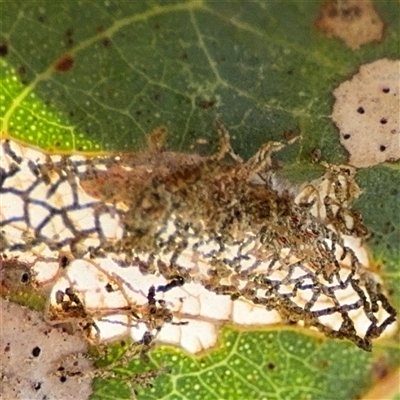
354	21
64	63
207	104
288	135
106	42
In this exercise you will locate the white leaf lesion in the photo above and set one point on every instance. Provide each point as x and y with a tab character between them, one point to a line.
169	246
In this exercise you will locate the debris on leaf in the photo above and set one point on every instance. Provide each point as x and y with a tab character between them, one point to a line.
354	21
166	247
366	111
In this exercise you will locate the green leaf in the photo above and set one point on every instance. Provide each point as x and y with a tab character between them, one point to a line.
261	68
380	208
273	364
99	76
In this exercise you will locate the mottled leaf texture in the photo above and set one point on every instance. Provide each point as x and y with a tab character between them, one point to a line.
195	220
146	153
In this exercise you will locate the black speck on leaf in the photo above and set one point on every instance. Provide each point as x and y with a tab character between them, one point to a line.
271	366
25	278
64	259
36	351
3	49
109	288
106	42
68	40
207	104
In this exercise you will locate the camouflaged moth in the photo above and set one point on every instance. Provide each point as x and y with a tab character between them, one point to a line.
168	246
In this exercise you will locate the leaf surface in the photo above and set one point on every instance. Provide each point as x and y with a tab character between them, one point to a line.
84	76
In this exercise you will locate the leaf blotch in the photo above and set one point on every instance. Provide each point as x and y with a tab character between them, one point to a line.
64	63
354	21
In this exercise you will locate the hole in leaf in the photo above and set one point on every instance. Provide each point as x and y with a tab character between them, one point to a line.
109	288
36	351
25	278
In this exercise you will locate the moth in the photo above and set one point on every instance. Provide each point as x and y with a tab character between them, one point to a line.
169	246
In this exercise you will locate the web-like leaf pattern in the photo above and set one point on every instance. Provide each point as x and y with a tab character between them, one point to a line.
169	246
